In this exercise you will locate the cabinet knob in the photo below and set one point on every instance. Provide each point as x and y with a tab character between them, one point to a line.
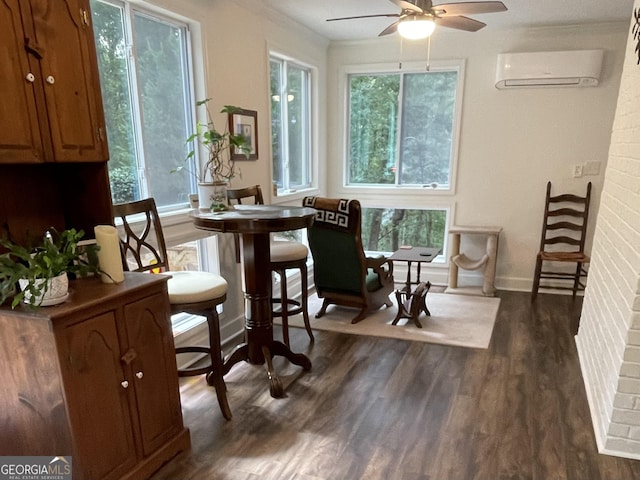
124	384
30	77
51	80
139	374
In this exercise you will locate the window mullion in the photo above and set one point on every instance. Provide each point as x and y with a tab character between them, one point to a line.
399	127
284	101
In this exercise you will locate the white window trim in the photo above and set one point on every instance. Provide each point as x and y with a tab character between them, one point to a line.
409	67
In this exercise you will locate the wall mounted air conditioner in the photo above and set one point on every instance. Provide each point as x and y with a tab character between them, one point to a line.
574	68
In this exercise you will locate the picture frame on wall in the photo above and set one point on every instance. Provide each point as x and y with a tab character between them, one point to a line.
245	122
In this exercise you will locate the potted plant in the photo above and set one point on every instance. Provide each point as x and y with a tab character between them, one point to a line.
219	168
41	272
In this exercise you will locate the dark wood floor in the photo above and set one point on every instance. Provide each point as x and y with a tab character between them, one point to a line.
374	408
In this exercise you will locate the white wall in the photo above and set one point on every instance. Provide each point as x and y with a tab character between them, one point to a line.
512	142
609	336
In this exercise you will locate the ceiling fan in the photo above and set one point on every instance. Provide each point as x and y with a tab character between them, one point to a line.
418	18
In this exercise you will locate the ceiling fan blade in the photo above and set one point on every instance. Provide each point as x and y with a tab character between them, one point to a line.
469	8
404	5
460	23
364	16
390	29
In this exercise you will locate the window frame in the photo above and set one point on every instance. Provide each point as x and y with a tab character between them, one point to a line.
400	196
284	195
131	9
386	68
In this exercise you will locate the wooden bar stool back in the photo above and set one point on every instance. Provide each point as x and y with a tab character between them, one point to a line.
143	249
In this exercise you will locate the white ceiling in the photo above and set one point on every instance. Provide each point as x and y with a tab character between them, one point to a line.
521	13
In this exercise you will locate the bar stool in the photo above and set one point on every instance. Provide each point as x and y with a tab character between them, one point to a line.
285	255
143	249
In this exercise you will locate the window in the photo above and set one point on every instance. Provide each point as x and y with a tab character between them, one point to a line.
385	229
144	63
290	124
401	128
401	143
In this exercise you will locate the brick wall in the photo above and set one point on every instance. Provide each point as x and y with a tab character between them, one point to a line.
609	336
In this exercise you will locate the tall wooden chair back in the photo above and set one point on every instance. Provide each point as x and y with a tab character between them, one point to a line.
562	241
236	196
143	246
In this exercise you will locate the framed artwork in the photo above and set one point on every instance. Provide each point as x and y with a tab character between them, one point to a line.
245	122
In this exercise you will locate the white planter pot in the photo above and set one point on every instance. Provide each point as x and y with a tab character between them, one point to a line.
213	196
57	291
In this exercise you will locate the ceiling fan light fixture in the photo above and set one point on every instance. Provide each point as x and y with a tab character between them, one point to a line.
416	28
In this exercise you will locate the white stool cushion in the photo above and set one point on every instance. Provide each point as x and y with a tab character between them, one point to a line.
191	287
284	251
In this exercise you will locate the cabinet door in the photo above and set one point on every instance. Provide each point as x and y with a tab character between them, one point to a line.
154	370
97	399
20	140
64	36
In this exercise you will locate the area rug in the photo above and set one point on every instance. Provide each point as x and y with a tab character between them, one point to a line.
458	320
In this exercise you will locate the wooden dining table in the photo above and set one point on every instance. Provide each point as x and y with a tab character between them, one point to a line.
254	223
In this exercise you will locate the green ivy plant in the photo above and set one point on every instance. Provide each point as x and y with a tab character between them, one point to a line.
58	253
219	166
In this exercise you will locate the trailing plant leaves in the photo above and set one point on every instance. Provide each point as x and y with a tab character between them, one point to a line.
58	253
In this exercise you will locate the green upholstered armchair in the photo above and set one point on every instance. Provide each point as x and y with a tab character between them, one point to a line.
343	275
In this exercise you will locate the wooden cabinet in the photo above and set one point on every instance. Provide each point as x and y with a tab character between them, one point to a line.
50	97
94	378
53	147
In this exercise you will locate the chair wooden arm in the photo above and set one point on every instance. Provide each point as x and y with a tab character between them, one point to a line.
377	263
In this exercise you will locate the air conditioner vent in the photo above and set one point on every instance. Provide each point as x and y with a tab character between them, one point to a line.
575	68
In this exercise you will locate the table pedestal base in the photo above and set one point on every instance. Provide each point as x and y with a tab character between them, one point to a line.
254	223
266	354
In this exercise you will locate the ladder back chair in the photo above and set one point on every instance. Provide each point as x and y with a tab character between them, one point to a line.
284	255
144	249
562	241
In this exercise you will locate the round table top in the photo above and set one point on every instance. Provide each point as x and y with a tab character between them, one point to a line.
254	219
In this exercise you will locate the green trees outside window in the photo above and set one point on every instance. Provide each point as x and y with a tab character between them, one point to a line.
401	133
145	81
401	128
385	229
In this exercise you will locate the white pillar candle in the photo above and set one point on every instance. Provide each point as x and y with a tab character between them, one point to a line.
109	256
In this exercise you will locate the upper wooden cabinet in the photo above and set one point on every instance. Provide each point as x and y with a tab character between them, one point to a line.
50	96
